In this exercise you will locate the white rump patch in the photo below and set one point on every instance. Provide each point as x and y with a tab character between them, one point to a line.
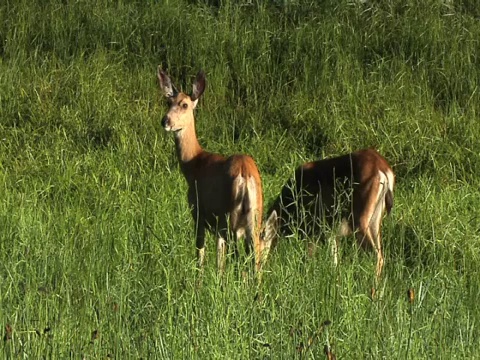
252	193
391	180
239	192
384	186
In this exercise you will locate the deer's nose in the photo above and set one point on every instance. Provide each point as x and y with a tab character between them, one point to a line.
165	121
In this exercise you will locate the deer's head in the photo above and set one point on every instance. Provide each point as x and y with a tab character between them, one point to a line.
180	114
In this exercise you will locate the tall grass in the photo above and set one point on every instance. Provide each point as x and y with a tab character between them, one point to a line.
96	238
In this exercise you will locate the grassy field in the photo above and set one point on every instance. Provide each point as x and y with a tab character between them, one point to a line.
97	254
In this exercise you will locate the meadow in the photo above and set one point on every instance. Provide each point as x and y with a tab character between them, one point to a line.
97	250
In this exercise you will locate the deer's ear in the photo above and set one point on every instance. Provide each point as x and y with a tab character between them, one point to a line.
166	85
198	86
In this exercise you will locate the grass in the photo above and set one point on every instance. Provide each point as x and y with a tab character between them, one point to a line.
96	239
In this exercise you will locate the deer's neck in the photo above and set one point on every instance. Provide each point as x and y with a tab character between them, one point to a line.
187	146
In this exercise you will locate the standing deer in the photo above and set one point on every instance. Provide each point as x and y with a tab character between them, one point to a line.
225	194
356	189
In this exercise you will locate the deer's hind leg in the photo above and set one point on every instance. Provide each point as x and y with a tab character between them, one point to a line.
368	213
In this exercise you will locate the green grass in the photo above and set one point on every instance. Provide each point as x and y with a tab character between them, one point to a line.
97	251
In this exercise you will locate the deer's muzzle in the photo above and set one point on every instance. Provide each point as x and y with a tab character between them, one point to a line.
166	122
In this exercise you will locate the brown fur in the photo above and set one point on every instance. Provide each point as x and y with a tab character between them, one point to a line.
341	189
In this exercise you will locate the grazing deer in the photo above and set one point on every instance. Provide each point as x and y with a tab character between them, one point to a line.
221	191
355	188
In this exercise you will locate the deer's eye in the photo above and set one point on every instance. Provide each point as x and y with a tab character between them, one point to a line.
184	105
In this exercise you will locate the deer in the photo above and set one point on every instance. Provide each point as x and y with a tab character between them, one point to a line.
224	193
352	191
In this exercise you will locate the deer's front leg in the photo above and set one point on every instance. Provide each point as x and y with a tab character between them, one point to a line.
222	233
200	242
